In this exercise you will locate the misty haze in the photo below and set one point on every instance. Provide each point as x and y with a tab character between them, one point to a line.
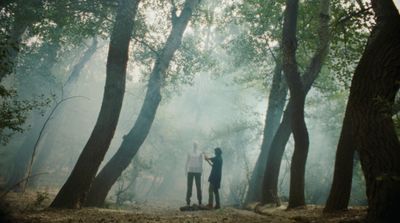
199	111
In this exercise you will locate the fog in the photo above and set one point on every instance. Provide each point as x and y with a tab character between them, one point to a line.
214	108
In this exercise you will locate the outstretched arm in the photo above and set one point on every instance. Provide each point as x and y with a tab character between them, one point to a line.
207	159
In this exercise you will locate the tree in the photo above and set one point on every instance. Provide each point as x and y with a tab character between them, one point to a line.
73	193
136	136
270	181
297	100
255	48
276	104
369	115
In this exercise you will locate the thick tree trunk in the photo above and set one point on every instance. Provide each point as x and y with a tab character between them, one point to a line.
372	93
339	195
270	180
73	193
136	136
276	104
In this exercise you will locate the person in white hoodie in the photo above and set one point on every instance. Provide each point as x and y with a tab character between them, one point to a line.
193	169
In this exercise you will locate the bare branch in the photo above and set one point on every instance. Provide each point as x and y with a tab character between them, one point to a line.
147	45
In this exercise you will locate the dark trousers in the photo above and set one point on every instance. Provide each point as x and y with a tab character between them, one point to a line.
213	191
197	178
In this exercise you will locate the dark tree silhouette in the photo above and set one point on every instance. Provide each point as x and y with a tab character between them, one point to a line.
369	116
270	180
136	136
74	191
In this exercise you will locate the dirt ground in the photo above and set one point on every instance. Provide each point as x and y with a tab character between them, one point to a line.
31	207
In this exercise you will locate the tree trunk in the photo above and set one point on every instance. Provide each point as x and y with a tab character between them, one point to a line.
372	93
270	180
339	195
136	136
297	100
73	193
276	104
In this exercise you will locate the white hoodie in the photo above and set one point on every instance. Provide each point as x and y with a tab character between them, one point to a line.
194	162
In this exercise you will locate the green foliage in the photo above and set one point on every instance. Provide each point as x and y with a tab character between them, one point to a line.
351	24
13	112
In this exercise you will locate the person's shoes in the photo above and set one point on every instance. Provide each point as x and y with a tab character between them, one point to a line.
209	206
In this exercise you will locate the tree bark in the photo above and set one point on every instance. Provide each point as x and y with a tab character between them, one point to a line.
270	180
73	193
297	100
339	195
276	104
136	136
369	108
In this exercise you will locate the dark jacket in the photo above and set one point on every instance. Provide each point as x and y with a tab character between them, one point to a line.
216	171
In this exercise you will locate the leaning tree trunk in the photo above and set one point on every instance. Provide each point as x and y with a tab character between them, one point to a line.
136	136
374	86
276	104
339	195
73	193
270	180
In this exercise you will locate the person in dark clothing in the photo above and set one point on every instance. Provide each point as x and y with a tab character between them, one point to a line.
215	178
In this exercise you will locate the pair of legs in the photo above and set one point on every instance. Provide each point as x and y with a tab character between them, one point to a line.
212	190
197	178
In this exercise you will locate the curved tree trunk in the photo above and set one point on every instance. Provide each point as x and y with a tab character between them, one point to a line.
297	100
136	136
372	93
73	193
276	104
270	180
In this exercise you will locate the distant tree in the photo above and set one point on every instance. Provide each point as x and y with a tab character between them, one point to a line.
136	136
74	191
368	118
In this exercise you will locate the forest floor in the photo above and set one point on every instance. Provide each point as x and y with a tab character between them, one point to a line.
31	207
